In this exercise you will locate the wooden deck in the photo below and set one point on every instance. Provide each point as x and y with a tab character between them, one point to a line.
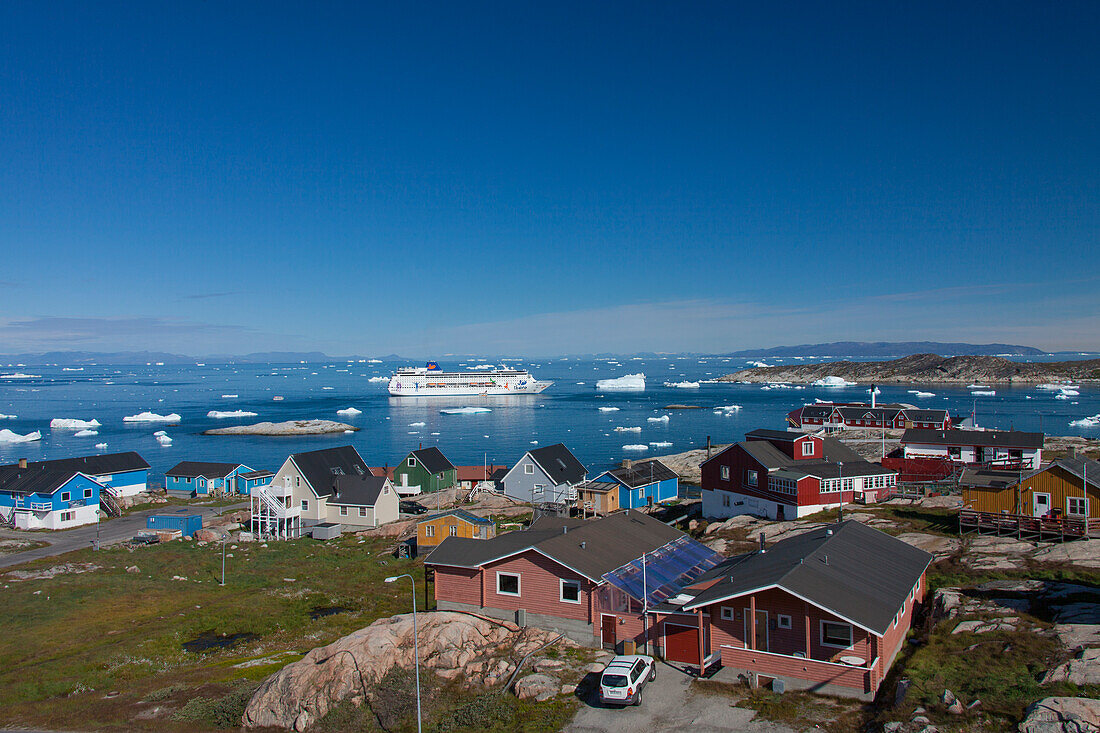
1022	526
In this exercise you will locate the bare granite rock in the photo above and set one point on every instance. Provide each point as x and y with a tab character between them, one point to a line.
452	645
539	687
1062	715
68	568
290	427
1082	670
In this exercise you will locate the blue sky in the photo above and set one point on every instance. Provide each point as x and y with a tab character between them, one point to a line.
538	179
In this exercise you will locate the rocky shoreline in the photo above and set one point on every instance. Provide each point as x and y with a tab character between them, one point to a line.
926	369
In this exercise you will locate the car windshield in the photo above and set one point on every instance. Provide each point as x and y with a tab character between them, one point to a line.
614	680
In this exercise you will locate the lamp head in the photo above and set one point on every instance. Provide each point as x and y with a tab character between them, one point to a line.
392	578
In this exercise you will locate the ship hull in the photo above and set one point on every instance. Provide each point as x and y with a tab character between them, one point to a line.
409	387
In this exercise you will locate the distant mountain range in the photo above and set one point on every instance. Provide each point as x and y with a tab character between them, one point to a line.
886	349
114	358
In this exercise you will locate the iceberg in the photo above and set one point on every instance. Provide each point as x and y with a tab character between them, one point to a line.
832	381
683	385
625	383
379	379
662	418
374	361
349	412
19	375
152	417
7	417
163	439
230	413
101	446
1067	392
983	392
918	393
7	436
758	364
1086	422
464	410
628	430
728	408
417	424
977	386
661	444
229	396
62	423
85	433
608	409
636	446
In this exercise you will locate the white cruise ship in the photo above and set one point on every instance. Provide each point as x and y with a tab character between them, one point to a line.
431	381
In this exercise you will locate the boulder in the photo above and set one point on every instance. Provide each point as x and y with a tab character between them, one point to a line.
450	644
392	529
1062	715
937	545
1082	670
205	535
1083	554
537	687
133	569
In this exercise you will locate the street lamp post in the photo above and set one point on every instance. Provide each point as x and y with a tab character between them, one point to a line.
416	647
223	560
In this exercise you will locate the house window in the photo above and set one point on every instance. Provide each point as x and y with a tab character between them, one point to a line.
305	505
453	530
570	591
412	462
537	490
87	493
68	516
751	478
202	483
783	621
65	495
725	500
727	613
955	453
528	468
362	511
508	584
1077	505
297	480
836	635
847	485
429	530
343	511
808	448
725	473
188	479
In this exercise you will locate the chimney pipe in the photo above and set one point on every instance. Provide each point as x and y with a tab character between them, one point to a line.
565	529
583	544
763	549
22	462
708	447
628	464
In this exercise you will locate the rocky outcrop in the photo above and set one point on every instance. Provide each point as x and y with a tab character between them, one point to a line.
925	369
452	645
1062	715
1082	670
290	427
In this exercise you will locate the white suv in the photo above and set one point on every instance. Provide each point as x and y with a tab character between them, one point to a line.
623	678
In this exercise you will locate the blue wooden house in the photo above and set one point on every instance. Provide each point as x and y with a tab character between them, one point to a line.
63	493
642	483
197	478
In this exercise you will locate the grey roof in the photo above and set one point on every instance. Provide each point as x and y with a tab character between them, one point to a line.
816	411
788	436
1079	466
194	469
433	460
559	464
987	478
991	438
259	473
926	415
357	490
851	570
643	473
608	543
47	476
765	452
599	487
876	413
322	467
460	513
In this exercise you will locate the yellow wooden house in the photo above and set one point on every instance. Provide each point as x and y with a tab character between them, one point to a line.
1067	487
433	529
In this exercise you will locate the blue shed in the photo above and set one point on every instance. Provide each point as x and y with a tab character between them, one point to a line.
643	482
187	524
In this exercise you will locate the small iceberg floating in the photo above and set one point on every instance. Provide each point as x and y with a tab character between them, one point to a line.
832	381
682	385
464	410
85	433
64	423
661	444
9	436
152	417
101	446
1086	422
628	430
636	447
608	409
983	392
662	418
625	383
230	413
918	393
977	386
349	412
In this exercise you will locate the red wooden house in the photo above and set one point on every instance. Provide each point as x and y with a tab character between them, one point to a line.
861	415
826	611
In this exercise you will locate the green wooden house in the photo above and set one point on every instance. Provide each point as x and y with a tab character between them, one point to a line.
427	469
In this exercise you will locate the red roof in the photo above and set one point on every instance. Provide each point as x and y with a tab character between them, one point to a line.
476	473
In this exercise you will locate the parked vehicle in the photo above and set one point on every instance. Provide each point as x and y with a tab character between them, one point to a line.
145	538
623	678
412	507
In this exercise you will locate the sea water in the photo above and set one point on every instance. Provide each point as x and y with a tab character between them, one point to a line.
389	427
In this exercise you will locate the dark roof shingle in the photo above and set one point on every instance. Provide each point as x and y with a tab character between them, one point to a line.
559	464
321	467
433	460
194	469
991	438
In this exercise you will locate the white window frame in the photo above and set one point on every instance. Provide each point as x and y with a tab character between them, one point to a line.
528	468
1076	499
362	511
343	511
68	516
725	471
561	590
782	621
727	613
807	448
725	499
538	489
65	495
429	530
452	530
519	584
821	634
305	505
87	493
412	463
752	478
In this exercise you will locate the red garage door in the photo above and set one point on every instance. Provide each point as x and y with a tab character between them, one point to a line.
682	644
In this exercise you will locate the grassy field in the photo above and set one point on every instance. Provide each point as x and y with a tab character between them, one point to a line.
100	649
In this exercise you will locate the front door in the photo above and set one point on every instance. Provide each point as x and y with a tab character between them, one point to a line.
780	514
1040	504
761	630
607	631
